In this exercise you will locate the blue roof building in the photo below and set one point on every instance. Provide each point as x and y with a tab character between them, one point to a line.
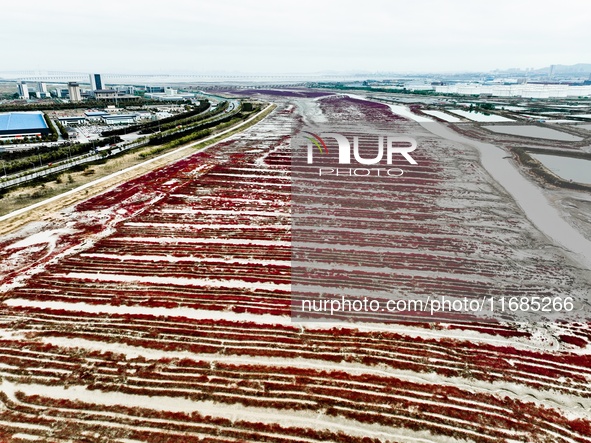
22	124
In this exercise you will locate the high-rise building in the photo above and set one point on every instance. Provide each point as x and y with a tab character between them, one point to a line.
74	90
96	82
23	90
42	88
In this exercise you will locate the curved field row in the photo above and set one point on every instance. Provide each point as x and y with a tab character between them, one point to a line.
164	313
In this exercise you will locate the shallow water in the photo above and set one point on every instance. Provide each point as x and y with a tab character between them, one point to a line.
534	131
568	168
479	116
527	195
444	116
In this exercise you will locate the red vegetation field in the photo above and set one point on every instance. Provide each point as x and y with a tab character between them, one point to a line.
160	311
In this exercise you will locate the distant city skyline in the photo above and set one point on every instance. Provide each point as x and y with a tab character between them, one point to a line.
262	36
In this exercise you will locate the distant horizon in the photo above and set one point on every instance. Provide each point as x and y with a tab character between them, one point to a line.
180	73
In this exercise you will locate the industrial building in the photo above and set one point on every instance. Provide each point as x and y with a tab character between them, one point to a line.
112	95
119	119
95	115
68	121
22	124
74	90
528	90
145	115
170	94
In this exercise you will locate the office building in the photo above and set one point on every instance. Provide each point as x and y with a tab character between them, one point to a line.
104	94
23	90
96	82
42	90
74	90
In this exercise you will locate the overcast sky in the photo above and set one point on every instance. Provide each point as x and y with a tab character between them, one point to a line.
136	36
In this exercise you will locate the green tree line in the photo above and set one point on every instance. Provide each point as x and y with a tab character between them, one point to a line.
20	161
165	137
186	121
